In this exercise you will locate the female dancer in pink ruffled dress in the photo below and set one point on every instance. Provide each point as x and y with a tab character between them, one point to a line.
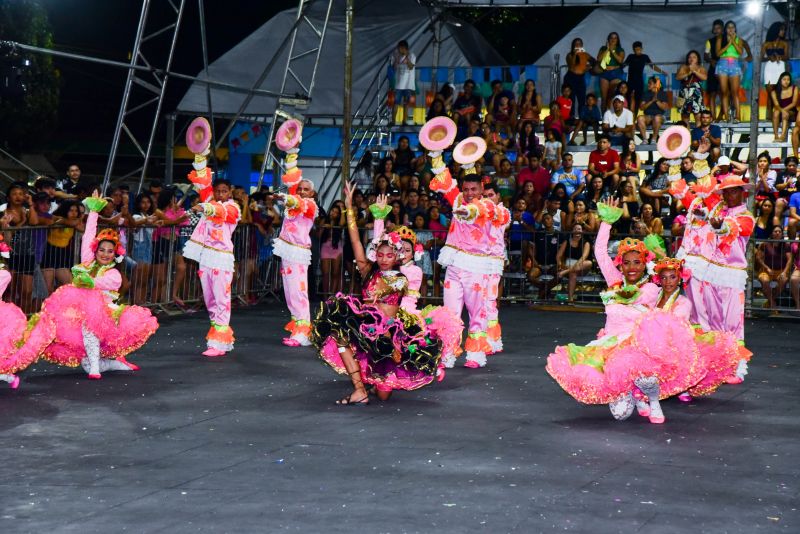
91	329
372	339
649	352
22	340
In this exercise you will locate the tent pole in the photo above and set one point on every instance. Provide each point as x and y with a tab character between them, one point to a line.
170	150
437	40
347	103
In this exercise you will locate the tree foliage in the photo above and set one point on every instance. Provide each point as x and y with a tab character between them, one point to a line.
26	120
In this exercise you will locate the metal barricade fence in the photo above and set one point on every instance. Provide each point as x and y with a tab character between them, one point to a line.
774	276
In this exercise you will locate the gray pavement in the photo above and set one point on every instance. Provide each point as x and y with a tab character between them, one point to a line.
254	443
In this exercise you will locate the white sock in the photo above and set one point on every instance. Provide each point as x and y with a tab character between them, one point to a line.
7	378
302	339
497	345
477	357
112	365
622	407
92	346
741	369
449	361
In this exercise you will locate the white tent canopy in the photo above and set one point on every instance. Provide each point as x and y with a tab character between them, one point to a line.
378	26
666	33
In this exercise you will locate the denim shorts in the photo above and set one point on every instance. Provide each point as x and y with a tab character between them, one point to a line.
613	74
403	94
728	67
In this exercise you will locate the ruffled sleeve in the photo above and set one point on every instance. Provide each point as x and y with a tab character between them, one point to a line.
682	308
110	280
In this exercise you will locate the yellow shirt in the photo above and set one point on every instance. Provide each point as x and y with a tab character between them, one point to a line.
60	237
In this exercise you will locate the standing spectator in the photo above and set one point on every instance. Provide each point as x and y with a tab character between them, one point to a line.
66	186
530	103
711	56
47	185
467	106
59	252
654	105
609	67
527	144
506	182
784	106
655	189
438	226
624	91
636	63
774	263
711	132
604	162
501	108
154	188
565	104
426	241
731	48
143	222
552	150
331	239
22	263
571	178
629	165
543	251
165	242
588	117
573	260
774	53
536	174
520	230
618	122
578	61
690	97
403	62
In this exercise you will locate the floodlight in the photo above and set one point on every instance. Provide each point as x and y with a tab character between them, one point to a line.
753	8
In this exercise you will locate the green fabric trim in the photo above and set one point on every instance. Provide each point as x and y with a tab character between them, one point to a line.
378	212
81	278
655	244
583	355
95	204
608	214
623	295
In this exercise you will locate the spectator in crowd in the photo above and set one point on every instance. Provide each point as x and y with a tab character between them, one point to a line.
711	57
530	103
445	95
46	185
566	205
595	192
520	230
552	150
22	263
690	97
794	215
618	122
381	185
573	180
501	108
578	62
543	250
653	222
154	188
636	63
170	217
795	279
730	48
655	189
629	164
426	241
404	160
386	168
624	91
766	219
654	105
438	226
765	178
362	175
396	217
437	109
527	144
467	106
59	251
530	196
786	184
413	185
143	222
629	202
496	146
403	62
66	186
774	53
506	182
604	162
565	105
536	174
331	238
774	264
553	207
589	117
609	67
573	260
678	228
687	169
412	208
584	217
709	131
784	106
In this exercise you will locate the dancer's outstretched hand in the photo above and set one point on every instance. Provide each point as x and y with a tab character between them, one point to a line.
381	201
348	194
611	202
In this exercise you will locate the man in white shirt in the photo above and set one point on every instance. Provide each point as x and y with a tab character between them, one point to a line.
618	122
403	62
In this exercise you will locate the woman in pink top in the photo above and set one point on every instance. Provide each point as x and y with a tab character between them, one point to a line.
165	244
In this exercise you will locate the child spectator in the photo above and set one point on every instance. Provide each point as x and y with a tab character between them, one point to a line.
501	108
552	150
565	103
403	62
554	122
496	146
636	63
589	117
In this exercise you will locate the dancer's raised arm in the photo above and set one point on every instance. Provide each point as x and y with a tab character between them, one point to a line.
362	262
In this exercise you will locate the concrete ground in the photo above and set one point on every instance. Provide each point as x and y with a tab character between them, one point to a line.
254	443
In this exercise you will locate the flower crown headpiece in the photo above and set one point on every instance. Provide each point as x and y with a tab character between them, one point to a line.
633	245
391	239
675	264
109	235
407	234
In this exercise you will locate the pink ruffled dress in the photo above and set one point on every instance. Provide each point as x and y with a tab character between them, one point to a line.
75	310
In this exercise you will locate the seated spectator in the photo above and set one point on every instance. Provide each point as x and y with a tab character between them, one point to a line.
629	164
506	182
530	196
404	160
396	217
654	224
573	260
543	251
690	97
386	168
437	109
624	91
774	263
566	205
467	106
501	108
766	219
527	144
784	104
786	184
362	175
552	150
536	174
414	184
552	207
595	193
604	162
412	208
554	122
573	180
382	186
588	117
629	203
687	169
765	178
712	132
584	217
655	189
496	146
445	95
654	105
529	105
618	122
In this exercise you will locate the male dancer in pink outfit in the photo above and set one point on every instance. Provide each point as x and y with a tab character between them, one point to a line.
293	246
497	247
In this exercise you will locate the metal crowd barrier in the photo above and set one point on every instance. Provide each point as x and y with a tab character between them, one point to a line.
157	276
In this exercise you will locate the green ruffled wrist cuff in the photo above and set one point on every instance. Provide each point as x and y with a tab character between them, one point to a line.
82	279
378	212
608	214
95	204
